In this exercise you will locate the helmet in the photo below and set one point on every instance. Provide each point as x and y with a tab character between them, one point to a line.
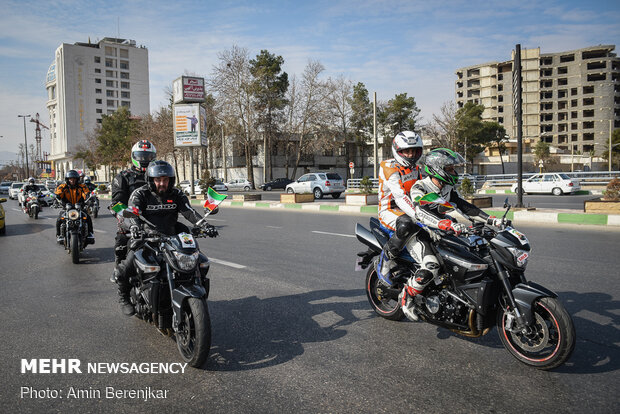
87	180
72	174
31	180
436	162
405	140
160	168
142	153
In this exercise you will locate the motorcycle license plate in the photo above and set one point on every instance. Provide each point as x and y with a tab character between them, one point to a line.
358	264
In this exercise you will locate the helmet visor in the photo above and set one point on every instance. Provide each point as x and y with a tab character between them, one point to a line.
143	156
165	170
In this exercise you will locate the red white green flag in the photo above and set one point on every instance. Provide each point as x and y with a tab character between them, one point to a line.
213	199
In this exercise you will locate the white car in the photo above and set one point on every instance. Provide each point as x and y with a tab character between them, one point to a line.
318	184
239	184
14	190
549	183
218	186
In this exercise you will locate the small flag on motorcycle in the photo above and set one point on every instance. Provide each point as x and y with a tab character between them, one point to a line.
213	199
118	207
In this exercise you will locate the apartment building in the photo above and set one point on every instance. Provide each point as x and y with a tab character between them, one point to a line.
86	81
570	99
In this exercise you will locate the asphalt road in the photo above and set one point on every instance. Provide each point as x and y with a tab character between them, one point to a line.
572	202
292	329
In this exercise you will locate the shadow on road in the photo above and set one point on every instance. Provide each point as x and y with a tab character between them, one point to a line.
253	333
94	255
23	229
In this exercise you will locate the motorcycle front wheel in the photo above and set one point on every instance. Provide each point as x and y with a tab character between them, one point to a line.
384	306
194	334
551	341
75	249
96	213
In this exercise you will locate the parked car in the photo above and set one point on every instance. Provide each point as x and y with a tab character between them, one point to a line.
218	186
239	184
277	183
4	187
2	217
51	184
319	184
14	190
553	183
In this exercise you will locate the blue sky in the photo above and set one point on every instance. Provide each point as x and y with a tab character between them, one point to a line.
391	46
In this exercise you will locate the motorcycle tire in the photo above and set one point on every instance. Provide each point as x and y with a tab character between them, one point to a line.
36	214
194	334
96	213
75	249
385	307
551	343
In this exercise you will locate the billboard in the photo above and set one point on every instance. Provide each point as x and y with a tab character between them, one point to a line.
188	89
190	125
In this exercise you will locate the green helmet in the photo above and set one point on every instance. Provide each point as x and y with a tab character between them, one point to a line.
436	162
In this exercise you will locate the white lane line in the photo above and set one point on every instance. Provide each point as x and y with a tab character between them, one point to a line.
333	234
274	227
225	263
99	231
16	209
212	219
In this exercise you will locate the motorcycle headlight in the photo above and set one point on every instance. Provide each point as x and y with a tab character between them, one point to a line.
73	214
521	256
186	261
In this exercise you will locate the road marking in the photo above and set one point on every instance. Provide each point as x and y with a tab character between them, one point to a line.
333	234
225	263
99	231
274	227
212	219
16	209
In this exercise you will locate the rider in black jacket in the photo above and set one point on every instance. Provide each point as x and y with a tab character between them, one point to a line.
125	183
89	184
160	203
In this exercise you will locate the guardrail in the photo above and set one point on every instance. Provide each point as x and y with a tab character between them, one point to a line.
355	182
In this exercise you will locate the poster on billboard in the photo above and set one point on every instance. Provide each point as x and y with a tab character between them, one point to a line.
189	125
188	89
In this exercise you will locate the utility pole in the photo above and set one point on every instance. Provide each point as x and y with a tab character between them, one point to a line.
26	143
610	121
374	133
516	97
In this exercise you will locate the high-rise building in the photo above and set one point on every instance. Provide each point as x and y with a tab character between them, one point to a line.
86	81
570	99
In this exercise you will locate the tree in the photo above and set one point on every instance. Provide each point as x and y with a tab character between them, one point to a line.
115	137
615	147
443	129
269	89
361	116
495	134
473	136
402	113
541	152
339	101
89	152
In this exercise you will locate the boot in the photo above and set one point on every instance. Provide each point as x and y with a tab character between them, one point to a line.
124	289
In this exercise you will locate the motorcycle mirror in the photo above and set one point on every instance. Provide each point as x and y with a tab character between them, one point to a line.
130	212
506	205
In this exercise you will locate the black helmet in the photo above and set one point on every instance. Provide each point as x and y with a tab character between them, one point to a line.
160	168
72	174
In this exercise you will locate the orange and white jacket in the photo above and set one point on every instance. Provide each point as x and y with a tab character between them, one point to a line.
395	182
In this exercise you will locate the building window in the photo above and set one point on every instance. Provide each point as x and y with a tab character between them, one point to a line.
125	95
124	75
500	88
588	114
574	103
588	125
588	101
500	77
562	81
574	91
500	98
125	103
110	74
500	119
97	90
110	94
597	77
124	85
99	110
562	70
98	120
574	114
574	126
97	70
567	58
97	80
109	83
110	104
546	60
562	105
588	90
574	137
124	53
97	59
562	93
124	64
588	137
110	63
98	101
500	109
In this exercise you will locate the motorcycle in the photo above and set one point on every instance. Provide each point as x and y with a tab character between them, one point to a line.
481	284
74	228
93	204
171	287
32	205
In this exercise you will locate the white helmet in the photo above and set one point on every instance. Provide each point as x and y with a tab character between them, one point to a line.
142	153
405	140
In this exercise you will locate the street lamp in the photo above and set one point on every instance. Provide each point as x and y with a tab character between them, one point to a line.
25	142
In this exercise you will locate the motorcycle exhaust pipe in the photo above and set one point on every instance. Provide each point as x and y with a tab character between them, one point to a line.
365	236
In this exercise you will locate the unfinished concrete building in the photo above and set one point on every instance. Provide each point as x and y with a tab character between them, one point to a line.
570	99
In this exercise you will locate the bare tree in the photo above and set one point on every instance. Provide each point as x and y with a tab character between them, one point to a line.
443	129
339	101
231	80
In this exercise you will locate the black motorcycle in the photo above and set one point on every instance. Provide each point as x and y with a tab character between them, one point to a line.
170	288
32	205
74	228
482	283
92	206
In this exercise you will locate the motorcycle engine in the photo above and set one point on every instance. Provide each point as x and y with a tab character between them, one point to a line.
441	306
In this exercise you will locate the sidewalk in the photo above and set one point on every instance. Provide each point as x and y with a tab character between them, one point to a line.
523	216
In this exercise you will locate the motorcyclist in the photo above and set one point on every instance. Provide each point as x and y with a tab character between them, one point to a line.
125	182
396	177
71	191
160	203
89	184
31	186
440	167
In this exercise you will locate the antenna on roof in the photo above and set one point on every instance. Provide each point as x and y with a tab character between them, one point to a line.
118	27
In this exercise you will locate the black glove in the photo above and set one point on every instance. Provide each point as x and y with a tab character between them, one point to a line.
210	230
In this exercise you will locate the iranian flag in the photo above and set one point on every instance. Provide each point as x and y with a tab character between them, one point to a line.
213	199
118	207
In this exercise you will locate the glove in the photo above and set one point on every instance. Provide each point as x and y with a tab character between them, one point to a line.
448	225
134	230
494	221
210	231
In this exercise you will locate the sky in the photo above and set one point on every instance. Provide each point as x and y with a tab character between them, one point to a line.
391	46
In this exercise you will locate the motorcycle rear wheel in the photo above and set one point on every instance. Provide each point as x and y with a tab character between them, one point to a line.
385	307
194	334
96	213
75	249
551	343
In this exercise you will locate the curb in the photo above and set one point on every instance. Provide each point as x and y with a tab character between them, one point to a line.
580	192
522	216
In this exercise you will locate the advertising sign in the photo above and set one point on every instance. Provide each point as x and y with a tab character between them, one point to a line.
188	89
190	125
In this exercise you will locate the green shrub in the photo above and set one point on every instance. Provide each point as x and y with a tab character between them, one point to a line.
466	188
612	192
102	188
206	181
366	185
